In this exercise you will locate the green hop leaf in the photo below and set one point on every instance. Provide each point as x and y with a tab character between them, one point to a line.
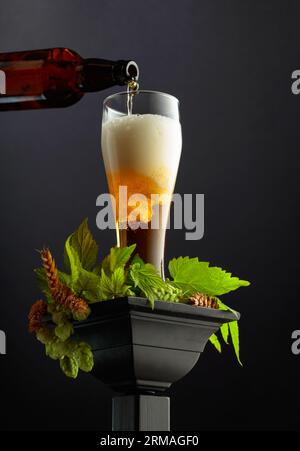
117	258
230	329
87	285
222	306
147	279
189	273
74	261
136	259
92	296
234	332
84	245
113	286
215	342
225	332
66	279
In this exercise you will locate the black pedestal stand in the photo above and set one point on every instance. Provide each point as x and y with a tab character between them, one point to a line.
140	352
141	413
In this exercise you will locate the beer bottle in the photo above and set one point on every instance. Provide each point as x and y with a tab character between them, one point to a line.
57	77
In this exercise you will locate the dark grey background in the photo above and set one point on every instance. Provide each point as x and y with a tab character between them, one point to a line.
230	63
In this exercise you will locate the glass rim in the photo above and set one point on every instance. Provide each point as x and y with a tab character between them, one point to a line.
140	91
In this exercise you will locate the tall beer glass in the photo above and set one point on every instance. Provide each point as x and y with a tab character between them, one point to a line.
141	150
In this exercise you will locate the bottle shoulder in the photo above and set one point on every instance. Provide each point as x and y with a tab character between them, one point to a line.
64	54
50	54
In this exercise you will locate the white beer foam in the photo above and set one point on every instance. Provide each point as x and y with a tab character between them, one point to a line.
148	144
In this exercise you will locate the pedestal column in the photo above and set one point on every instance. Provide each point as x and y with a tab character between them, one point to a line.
141	413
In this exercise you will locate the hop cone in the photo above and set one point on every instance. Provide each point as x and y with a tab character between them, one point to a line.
168	293
62	294
69	366
203	300
35	316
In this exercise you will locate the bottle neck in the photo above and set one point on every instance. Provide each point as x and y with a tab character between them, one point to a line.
97	74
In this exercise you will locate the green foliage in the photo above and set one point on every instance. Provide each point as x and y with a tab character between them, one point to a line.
215	342
81	315
123	273
55	349
59	315
84	245
117	258
64	331
234	332
114	286
69	366
45	335
168	293
78	356
230	331
43	283
65	278
84	356
80	255
88	283
137	259
147	279
224	329
72	355
192	275
73	261
100	283
222	306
